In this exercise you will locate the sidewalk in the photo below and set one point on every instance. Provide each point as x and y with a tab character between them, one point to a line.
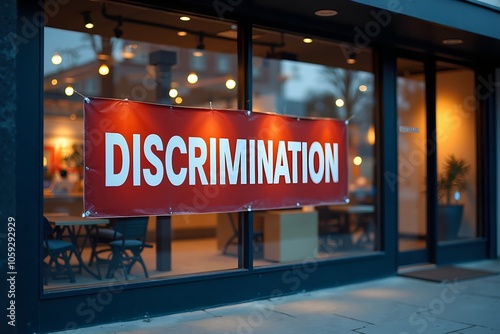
394	305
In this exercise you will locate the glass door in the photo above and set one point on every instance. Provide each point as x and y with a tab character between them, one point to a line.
456	126
412	162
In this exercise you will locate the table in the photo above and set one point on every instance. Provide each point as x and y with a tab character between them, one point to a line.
74	226
69	204
290	235
345	212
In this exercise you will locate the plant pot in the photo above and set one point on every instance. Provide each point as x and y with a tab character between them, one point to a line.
449	220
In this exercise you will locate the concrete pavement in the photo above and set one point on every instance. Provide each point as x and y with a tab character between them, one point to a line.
396	304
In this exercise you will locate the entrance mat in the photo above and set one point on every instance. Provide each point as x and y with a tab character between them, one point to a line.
448	273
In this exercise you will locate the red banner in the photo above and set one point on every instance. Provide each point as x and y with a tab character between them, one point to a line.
146	159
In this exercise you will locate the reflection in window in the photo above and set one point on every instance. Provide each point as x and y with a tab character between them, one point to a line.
315	80
142	67
198	62
223	64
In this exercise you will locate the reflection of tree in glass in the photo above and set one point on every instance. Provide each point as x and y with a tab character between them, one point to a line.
344	84
356	90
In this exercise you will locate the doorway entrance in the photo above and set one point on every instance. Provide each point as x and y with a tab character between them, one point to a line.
438	203
412	162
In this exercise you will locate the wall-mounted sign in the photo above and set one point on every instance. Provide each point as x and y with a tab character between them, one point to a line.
410	129
146	159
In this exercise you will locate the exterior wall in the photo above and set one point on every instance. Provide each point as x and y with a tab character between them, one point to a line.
497	108
8	95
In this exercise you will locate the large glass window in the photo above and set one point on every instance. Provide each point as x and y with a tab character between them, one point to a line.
300	76
160	60
456	124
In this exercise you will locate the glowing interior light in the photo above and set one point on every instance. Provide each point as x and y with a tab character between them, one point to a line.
173	93
370	135
192	78
69	91
104	69
357	160
56	59
339	103
230	84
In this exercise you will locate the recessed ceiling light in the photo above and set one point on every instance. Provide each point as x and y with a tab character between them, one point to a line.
307	40
185	18
182	33
326	12
452	41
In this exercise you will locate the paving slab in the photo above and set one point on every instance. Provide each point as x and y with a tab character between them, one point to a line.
395	305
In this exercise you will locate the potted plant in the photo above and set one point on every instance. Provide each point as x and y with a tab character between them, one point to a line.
451	183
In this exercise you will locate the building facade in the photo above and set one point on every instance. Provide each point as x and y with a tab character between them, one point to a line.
416	81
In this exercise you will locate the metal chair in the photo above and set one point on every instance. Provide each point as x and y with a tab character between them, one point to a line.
101	236
126	249
58	252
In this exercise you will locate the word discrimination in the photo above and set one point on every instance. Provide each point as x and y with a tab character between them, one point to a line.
212	162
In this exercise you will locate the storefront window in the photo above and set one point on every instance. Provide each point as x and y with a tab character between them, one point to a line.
293	76
141	62
457	152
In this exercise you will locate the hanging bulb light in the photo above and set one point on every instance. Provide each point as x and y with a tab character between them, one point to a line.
87	20
351	59
173	93
192	78
118	29
56	59
199	47
230	84
69	91
104	70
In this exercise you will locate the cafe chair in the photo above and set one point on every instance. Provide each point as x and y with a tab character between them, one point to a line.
99	238
126	249
58	252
